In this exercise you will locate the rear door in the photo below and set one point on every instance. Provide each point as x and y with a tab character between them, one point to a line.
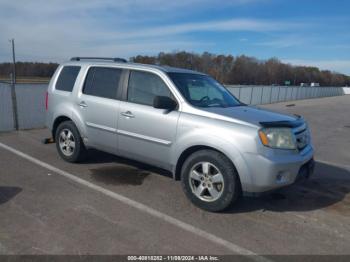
99	107
146	133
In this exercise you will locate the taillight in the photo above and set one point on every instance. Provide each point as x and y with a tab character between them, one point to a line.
46	101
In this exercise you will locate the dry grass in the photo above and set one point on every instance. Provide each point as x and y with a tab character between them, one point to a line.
26	80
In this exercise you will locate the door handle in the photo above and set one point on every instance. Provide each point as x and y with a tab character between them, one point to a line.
83	104
127	114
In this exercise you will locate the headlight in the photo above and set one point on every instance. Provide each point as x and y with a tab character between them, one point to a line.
282	138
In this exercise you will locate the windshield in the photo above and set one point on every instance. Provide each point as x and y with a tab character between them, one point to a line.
203	91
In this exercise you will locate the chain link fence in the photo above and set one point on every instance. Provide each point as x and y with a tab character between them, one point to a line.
31	100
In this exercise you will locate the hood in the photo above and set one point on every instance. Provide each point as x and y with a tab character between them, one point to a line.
254	115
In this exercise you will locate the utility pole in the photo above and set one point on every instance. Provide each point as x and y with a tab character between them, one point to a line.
14	61
13	88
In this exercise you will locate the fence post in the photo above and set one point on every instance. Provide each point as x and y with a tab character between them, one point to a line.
297	96
251	95
271	94
13	87
278	94
14	105
262	92
286	93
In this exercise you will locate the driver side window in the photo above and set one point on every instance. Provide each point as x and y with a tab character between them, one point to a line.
144	86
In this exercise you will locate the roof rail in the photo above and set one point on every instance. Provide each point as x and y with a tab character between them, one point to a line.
115	59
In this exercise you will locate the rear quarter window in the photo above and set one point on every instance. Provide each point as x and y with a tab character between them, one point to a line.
67	77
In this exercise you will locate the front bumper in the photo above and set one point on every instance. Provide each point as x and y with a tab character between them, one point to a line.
269	173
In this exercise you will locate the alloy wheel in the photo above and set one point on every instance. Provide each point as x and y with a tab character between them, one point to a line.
206	181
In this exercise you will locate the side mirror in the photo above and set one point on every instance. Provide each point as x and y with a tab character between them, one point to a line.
164	102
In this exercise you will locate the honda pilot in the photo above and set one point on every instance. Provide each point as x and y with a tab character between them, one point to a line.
179	120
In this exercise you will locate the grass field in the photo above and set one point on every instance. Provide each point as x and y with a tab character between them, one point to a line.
26	79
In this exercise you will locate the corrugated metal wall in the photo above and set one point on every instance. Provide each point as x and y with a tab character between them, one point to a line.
31	100
258	95
6	114
30	106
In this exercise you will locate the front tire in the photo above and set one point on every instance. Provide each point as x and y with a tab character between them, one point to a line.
69	143
210	180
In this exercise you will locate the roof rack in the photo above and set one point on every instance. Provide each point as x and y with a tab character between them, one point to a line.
115	59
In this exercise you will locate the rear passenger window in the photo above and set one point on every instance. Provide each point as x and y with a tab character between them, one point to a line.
102	82
67	77
144	86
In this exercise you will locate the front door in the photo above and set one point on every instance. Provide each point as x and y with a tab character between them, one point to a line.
144	132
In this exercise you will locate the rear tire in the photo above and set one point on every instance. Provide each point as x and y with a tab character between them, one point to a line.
69	143
210	180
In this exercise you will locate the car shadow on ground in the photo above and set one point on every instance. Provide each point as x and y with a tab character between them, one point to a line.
326	189
7	193
124	172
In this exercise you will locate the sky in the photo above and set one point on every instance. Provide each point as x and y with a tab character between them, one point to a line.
299	32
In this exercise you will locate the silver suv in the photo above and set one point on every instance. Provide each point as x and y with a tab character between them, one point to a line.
179	120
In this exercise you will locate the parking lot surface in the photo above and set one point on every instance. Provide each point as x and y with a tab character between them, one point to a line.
110	205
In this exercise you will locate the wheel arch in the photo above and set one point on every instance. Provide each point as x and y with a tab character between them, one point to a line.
62	118
189	151
58	120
